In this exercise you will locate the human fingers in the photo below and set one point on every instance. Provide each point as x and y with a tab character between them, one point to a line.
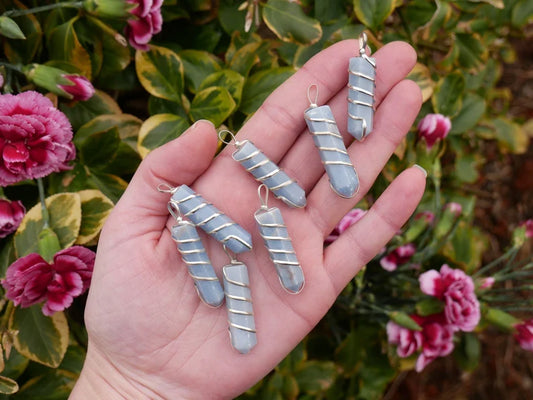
363	240
393	119
178	162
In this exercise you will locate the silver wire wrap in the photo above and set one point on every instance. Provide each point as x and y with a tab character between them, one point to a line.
213	221
361	84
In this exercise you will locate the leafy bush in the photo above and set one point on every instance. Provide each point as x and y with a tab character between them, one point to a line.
219	61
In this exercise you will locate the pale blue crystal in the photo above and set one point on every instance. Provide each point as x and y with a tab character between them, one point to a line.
355	126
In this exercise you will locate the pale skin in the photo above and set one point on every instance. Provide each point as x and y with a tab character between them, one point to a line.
150	337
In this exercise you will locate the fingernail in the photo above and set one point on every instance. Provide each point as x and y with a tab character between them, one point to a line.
421	169
203	120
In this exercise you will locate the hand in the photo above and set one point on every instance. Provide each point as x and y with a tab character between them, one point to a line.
149	334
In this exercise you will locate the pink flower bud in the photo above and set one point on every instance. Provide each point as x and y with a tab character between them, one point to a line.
528	224
146	21
427	216
79	89
487	283
11	214
398	256
454	208
434	127
348	220
31	280
524	334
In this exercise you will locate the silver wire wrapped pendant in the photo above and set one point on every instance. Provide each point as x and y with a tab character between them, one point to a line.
361	89
195	257
239	305
341	172
266	172
279	245
213	221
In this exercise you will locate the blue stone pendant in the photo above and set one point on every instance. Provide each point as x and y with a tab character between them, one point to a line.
341	172
279	245
211	220
362	86
194	255
265	171
239	305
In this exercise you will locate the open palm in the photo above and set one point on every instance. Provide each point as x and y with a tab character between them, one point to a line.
149	334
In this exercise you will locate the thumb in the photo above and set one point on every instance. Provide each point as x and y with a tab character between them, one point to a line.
180	161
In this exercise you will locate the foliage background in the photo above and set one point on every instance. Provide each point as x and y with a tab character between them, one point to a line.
473	55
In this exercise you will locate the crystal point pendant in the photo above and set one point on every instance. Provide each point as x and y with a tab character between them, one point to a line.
200	269
239	305
361	89
339	168
211	220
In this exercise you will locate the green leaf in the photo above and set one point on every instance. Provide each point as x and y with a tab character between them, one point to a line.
40	338
100	148
373	13
404	320
422	76
110	185
466	247
429	306
522	13
23	52
418	13
65	220
511	136
349	354
289	22
468	351
260	85
115	51
197	66
10	29
127	125
315	377
448	96
214	104
158	130
95	208
501	319
81	112
160	71
329	10
7	256
63	44
244	59
466	167
471	112
232	81
53	385
8	385
472	52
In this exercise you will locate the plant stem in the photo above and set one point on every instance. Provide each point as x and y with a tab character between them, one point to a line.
17	68
44	210
495	262
19	13
7	314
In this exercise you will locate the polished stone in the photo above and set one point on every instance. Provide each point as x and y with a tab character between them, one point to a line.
355	126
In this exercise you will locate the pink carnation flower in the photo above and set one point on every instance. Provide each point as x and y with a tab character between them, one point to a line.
146	21
434	340
35	138
11	214
524	334
434	127
398	256
31	280
348	220
456	289
528	224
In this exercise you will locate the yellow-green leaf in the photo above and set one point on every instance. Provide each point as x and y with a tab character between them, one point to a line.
373	13
197	65
8	385
421	75
511	136
231	80
63	44
64	210
158	130
160	71
10	29
245	58
128	128
214	104
289	22
260	85
95	207
449	94
40	338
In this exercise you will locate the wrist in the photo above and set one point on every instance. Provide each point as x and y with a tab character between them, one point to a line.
100	379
